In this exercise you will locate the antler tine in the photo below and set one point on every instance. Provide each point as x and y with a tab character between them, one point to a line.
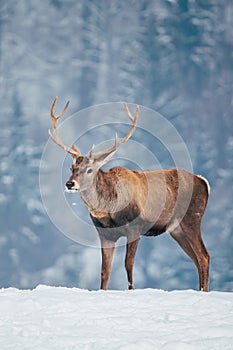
74	151
55	118
116	139
129	113
130	133
118	143
63	112
133	120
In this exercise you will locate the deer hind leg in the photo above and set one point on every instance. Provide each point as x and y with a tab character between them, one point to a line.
107	250
196	243
191	242
131	249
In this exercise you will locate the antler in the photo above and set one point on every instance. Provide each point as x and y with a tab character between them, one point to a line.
105	153
74	151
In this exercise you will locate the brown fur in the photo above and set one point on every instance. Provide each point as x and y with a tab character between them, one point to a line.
128	203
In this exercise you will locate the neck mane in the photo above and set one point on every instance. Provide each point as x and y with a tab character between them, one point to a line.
101	197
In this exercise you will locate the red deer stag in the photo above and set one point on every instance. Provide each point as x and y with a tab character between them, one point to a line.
130	203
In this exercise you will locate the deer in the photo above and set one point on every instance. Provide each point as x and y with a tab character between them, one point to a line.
131	204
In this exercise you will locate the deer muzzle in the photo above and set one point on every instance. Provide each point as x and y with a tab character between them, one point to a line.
72	186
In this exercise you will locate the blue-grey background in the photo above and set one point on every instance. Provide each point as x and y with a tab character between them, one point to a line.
173	56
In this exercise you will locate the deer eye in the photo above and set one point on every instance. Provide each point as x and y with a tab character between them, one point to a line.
89	171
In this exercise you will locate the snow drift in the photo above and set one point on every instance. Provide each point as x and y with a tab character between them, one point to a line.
62	318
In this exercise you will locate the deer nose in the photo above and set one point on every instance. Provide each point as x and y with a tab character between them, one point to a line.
70	185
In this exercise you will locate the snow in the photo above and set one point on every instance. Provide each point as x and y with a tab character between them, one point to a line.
63	318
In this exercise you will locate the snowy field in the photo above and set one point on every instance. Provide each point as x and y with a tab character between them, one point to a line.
61	318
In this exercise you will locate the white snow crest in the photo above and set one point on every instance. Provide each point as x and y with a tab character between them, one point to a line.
64	319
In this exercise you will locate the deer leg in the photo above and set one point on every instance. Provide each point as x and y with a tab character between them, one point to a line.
131	249
107	250
204	268
180	238
191	242
203	258
196	243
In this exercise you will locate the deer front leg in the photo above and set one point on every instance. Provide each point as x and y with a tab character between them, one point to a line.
129	260
107	250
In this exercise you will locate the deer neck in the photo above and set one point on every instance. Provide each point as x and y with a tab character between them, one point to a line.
99	198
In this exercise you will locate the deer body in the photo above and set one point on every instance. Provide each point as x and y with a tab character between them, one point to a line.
113	207
129	203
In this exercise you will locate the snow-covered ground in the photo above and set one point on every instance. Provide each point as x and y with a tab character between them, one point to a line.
61	318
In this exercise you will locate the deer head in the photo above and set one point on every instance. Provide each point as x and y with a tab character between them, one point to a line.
85	168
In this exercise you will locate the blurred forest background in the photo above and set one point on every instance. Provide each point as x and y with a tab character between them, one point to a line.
175	57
